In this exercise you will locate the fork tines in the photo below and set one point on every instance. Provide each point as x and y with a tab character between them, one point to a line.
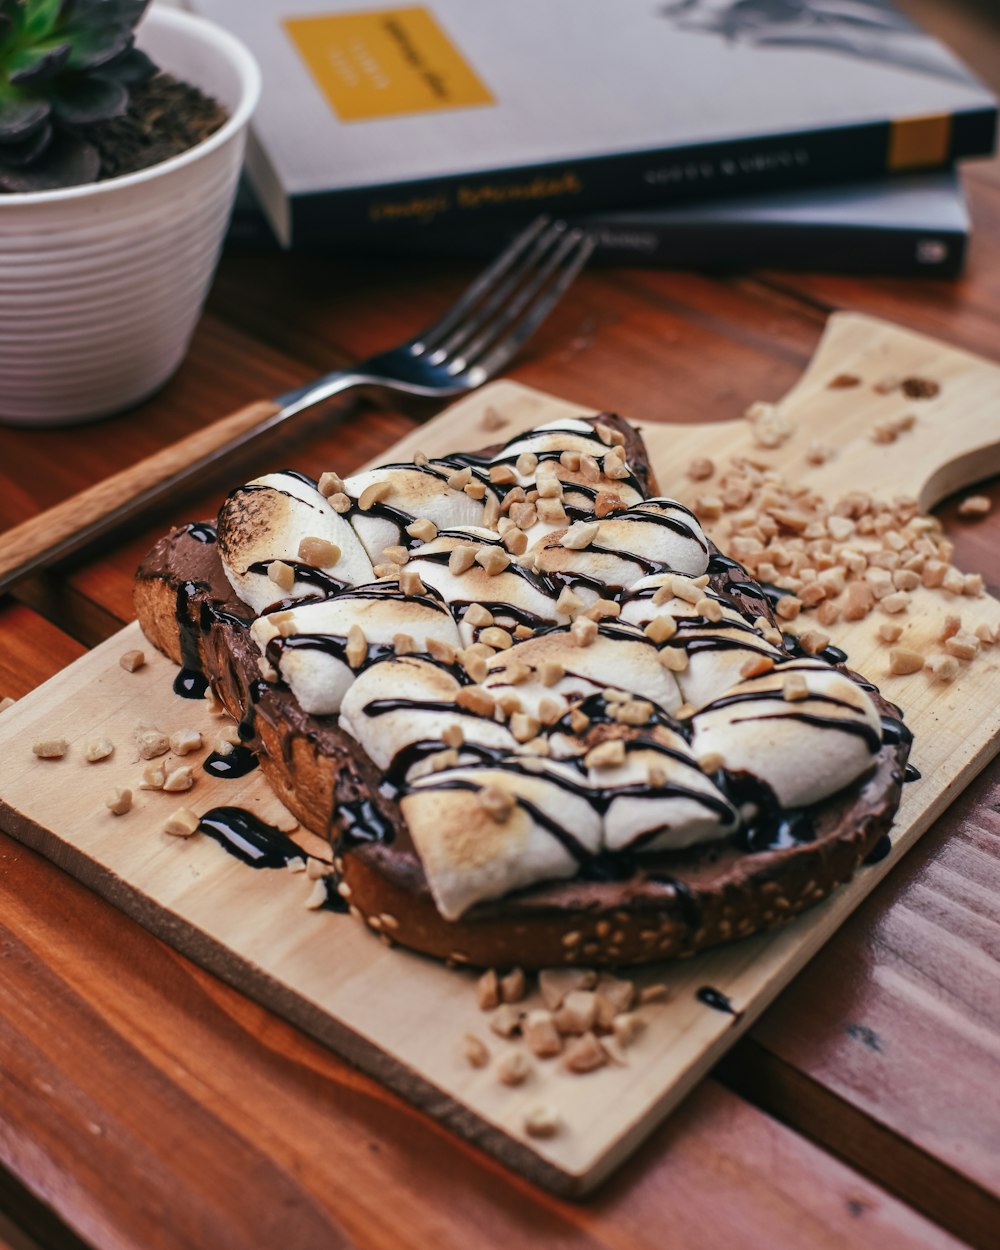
507	301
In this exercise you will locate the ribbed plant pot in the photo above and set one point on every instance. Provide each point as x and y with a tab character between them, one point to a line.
101	285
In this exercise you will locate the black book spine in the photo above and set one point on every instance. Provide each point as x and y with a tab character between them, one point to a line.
791	160
824	248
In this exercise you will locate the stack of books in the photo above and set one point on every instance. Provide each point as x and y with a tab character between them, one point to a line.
696	133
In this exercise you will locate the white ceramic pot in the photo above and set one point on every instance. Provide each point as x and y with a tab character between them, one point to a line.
101	285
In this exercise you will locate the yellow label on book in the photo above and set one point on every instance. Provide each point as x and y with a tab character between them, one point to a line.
385	62
917	142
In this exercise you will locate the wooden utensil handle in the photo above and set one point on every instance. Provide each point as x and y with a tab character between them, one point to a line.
71	524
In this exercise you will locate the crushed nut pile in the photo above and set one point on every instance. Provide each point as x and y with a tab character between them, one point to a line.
584	1018
844	559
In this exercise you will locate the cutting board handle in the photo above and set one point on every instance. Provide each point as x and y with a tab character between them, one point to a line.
954	439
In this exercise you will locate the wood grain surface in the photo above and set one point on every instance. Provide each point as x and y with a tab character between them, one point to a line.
663	346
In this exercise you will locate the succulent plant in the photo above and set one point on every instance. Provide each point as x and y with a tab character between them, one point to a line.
65	65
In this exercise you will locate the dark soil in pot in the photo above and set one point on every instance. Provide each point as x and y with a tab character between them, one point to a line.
165	117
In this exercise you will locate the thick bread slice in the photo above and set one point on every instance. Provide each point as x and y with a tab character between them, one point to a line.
621	912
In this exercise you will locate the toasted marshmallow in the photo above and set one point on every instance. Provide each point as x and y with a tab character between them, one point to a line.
265	521
665	802
659	532
470	856
414	492
310	647
619	657
400	703
513	596
804	748
716	650
549	441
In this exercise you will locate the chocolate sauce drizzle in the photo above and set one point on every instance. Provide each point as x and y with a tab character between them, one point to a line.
201	531
715	999
247	837
240	761
190	684
324	582
880	850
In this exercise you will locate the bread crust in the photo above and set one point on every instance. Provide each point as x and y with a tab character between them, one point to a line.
672	904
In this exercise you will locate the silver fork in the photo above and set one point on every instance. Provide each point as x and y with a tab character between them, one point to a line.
472	342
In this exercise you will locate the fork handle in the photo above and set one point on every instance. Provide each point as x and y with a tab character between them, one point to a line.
70	525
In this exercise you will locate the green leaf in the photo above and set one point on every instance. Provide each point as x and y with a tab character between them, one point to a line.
67	162
40	17
131	69
83	100
13	21
28	151
20	114
94	47
37	65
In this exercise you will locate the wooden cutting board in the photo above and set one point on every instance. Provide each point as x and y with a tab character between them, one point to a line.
401	1017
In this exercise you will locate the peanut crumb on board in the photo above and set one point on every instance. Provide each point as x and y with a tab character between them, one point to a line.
700	469
50	748
542	1120
98	749
132	660
475	1051
513	1067
975	506
317	896
119	801
488	990
182	823
184	741
6	702
151	742
179	779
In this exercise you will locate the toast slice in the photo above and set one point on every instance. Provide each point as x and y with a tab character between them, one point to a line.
539	716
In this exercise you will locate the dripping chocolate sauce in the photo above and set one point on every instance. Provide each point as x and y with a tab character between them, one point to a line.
238	763
715	999
190	684
201	531
247	837
259	845
880	850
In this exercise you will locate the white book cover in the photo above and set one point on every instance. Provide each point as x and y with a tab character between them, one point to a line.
391	115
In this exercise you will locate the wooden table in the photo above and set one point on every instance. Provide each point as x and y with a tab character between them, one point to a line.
144	1104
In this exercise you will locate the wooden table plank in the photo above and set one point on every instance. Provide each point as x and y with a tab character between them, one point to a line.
31	650
893	1032
152	1106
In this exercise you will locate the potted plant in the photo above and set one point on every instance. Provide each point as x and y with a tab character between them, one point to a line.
105	258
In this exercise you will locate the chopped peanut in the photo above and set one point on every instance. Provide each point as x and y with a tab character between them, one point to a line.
475	1051
98	749
488	990
975	506
182	823
319	553
903	660
119	801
